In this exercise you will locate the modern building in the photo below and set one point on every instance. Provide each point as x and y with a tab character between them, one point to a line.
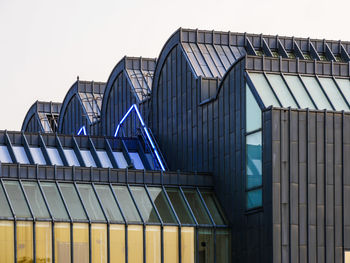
229	147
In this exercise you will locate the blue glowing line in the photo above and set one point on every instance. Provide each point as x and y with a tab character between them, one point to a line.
82	130
144	128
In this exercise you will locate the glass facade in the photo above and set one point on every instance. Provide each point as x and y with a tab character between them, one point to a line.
67	222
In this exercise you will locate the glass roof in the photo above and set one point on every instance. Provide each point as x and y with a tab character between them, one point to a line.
141	81
301	91
210	60
116	203
92	103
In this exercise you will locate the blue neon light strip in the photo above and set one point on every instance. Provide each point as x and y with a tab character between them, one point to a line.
82	131
144	128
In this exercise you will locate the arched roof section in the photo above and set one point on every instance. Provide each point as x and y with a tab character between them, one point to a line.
87	95
42	117
138	73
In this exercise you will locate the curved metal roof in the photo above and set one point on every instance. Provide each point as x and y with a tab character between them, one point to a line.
45	115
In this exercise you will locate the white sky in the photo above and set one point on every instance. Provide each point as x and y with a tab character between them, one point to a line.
46	44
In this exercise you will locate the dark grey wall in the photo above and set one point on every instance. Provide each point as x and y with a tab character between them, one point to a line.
33	125
311	184
210	137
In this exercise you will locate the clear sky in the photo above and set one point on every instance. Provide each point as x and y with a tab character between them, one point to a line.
46	44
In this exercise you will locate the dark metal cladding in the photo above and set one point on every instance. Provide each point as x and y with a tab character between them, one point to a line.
81	107
129	83
42	117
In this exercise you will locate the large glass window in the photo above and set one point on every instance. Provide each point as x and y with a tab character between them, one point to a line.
315	91
180	206
24	241
205	245
54	201
212	204
117	243
54	156
5	210
99	243
153	246
108	202
299	91
253	115
6	241
90	202
135	241
162	204
333	94
62	243
5	155
344	85
43	242
74	205
171	244
37	155
80	243
126	204
263	88
20	154
281	90
253	150
147	211
17	199
36	200
197	207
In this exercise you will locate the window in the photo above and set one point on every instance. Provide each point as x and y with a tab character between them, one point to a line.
253	152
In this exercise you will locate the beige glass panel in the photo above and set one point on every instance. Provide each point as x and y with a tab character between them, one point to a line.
171	244
24	241
62	243
135	244
187	245
223	245
43	242
80	243
99	243
117	243
6	241
153	246
347	257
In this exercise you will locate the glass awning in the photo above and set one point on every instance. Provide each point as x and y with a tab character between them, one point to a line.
89	202
301	91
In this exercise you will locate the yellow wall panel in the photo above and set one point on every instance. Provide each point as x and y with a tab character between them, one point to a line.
99	243
24	241
187	244
171	244
6	241
153	246
117	243
43	242
62	243
135	244
80	243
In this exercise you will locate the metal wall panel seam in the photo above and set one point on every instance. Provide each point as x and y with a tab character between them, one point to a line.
289	185
325	181
307	181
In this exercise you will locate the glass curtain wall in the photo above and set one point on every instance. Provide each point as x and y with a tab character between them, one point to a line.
99	223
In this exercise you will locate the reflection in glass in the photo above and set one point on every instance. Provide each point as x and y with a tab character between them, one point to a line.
254	160
316	93
72	200
223	245
299	91
88	159
99	243
163	207
117	243
43	239
17	200
103	156
54	201
24	241
212	204
333	94
180	206
5	155
36	200
344	85
126	204
144	204
263	88
37	155
91	204
5	210
197	207
6	241
187	244
54	156
80	243
71	157
120	159
153	247
135	241
281	90
171	244
20	154
205	245
135	157
253	112
108	202
254	198
62	243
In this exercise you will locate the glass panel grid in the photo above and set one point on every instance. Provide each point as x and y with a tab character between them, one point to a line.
62	243
37	155
109	205
197	207
333	94
24	241
117	243
80	243
281	90
7	241
17	199
126	204
43	242
254	160
212	206
88	159
99	243
135	157
299	92
54	156
180	206
103	156
344	85
5	155
71	157
135	241
144	205
72	200
253	112
254	198
171	244
316	93
90	202
5	210
20	154
120	159
163	207
36	200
